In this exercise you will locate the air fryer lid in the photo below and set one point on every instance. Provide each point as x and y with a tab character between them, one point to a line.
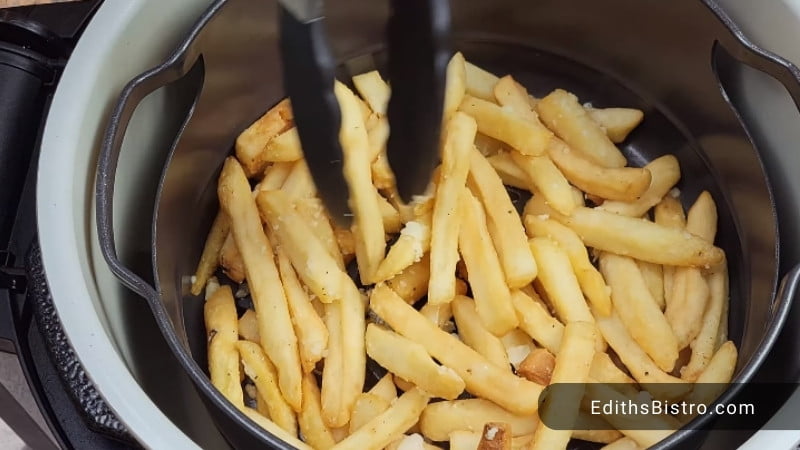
656	56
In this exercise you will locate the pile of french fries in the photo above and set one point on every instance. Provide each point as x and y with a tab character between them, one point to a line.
474	308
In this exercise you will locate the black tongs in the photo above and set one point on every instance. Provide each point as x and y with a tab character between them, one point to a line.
417	36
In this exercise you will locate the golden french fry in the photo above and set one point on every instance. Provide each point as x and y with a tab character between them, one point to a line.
368	225
528	138
312	426
617	122
562	113
624	443
340	433
248	326
664	173
354	355
718	373
548	180
439	419
410	284
654	279
299	184
373	90
389	425
488	146
275	175
402	384
459	135
640	239
684	311
251	143
480	83
473	333
332	391
518	346
605	371
701	220
669	213
366	407
538	366
264	375
559	281
456	85
389	215
504	224
612	183
514	96
509	171
645	430
591	282
572	366
221	323
495	436
284	147
439	314
377	136
309	256
346	242
409	360
411	246
209	259
313	211
274	322
274	429
382	175
704	344
481	377
536	321
312	336
385	388
492	297
231	260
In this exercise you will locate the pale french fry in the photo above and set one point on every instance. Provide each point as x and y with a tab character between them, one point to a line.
654	279
593	428
317	219
548	180
309	256
480	83
248	327
411	441
664	172
528	138
354	355
264	375
713	379
402	384
346	242
389	215
312	426
373	90
481	377
459	135
456	85
624	443
638	310
377	136
231	260
274	429
640	239
411	246
645	430
332	392
382	175
274	322
509	171
409	360
298	183
505	227
439	314
209	259
684	311
518	345
221	323
643	369
495	436
472	332
559	281
312	336
562	113
385	388
514	96
612	183
410	284
537	206
250	144
469	440
617	122
389	425
492	297
605	371
368	225
488	146
591	282
572	366
704	344
275	175
439	419
537	322
366	407
538	366
284	147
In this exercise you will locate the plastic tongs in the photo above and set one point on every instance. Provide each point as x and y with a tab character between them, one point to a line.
417	36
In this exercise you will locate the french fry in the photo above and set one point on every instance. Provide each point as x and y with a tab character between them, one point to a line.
439	314
275	175
689	299
312	426
505	227
495	436
645	430
669	213
389	425
701	220
472	332
489	146
332	391
612	183
718	373
385	388
402	384
492	297
439	419
591	282
559	281
411	246
640	239
209	259
314	264
382	175
480	83
231	260
654	279
340	433
538	366
624	443
284	147
639	311
346	242
528	138
373	90
368	225
274	322
409	360
354	355
377	137
509	171
313	211
264	375
617	122
593	428
481	377
250	144
389	215
248	327
459	135
704	344
548	180
664	172
312	336
469	440
514	96
537	322
518	346
410	284
298	183
411	441
274	429
562	113
456	85
366	407
221	323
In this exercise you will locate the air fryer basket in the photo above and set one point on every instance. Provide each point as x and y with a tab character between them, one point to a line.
661	57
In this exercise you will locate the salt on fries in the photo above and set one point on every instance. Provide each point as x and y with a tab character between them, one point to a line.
473	304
